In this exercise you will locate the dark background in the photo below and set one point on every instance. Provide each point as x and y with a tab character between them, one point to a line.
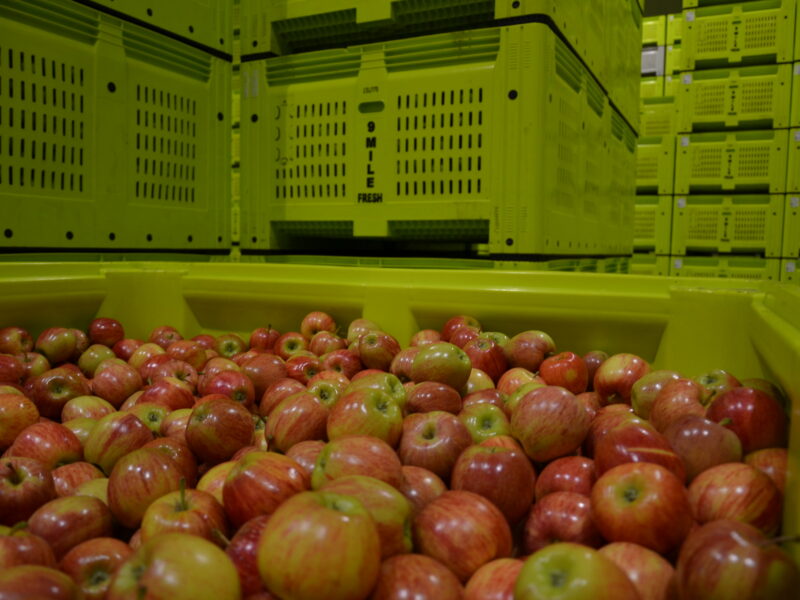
661	7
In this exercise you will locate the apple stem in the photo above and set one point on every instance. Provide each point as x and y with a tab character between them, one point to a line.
221	537
182	501
726	421
784	539
18	527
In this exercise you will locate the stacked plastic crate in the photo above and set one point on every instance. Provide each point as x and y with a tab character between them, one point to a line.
790	263
733	107
492	128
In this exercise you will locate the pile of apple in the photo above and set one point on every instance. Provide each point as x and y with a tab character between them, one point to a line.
312	466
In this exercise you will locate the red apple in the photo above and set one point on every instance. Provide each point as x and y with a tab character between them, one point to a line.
18	546
515	378
15	340
494	581
454	323
180	453
614	379
677	399
316	322
773	462
16	414
423	337
513	399
591	403
177	369
229	345
357	455
66	522
646	389
25	485
298	418
143	353
492	396
26	582
650	572
264	338
49	442
51	390
715	383
379	380
442	362
175	423
264	370
755	417
326	391
305	454
488	356
164	336
188	351
243	552
277	392
170	392
593	360
604	421
186	511
115	382
92	564
463	336
434	441
34	364
377	349
125	348
67	478
290	343
561	517
58	344
416	576
420	486
323	342
113	437
567	370
342	361
366	411
11	369
92	357
528	349
213	480
91	407
303	367
636	441
218	428
402	363
566	474
701	444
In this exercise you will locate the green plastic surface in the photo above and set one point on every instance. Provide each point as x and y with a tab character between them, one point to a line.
453	137
744	161
795	116
655	165
672	85
790	271
113	136
659	117
649	264
674	59
739	98
652	224
726	267
654	31
725	224
756	32
674	28
651	87
793	169
791	227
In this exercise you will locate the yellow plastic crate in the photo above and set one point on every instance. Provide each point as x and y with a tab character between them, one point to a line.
793	179
655	165
654	31
651	87
795	117
790	271
672	85
652	225
649	264
727	267
659	117
673	63
791	227
674	28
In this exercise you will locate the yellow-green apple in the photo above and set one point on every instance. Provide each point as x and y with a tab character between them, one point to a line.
453	323
178	566
420	486
736	491
389	509
169	391
125	348
567	370
17	413
568	571
433	440
259	483
115	382
463	335
303	366
514	378
137	479
92	357
327	391
730	559
15	340
642	503
614	379
754	416
604	421
377	349
180	453
51	390
143	353
463	531
67	478
57	344
488	356
290	343
66	522
442	362
11	369
229	345
276	392
96	488
478	381
702	443
92	407
81	427
716	382
26	582
560	517
188	351
298	418
528	349
646	389
151	414
380	381
366	411
51	443
494	581
34	364
175	423
243	552
416	576
320	545
498	337
113	437
264	338
305	454
217	428
503	475
92	564
213	480
549	422
402	362
18	546
484	421
651	573
774	462
566	474
186	511
488	396
359	327
263	370
678	398
423	337
342	361
357	455
636	440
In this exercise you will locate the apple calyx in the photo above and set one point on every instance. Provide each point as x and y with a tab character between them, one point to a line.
558	579
14	477
631	495
98	578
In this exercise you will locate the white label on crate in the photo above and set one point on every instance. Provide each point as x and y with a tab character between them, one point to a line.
687	78
797	69
794	202
678	263
684	141
791	266
690	16
797	136
681	202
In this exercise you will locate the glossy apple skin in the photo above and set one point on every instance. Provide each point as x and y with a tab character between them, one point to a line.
488	356
51	390
756	418
180	453
175	423
488	396
16	413
484	421
217	429
528	349
320	545
646	389
58	344
423	337
773	462
11	369
259	483
593	360
463	531
298	418
456	322
92	564
191	511
90	407
49	442
514	378
357	455
420	486
213	480
702	444
677	399
604	421
366	411
342	361
494	581
636	441
434	441
651	573
68	477
377	349
567	370
642	503
66	522
614	378
566	474
14	340
428	396
549	422
729	559
113	437
737	491
169	391
243	552
389	509
379	380
263	370
18	546
402	362
572	572
305	454
188	351
560	517
442	362
115	383
504	476
277	392
176	566
416	576
25	582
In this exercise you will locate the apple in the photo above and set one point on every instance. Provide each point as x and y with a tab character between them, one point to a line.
716	382
494	581
96	488
614	379
263	370
463	336
326	391
180	453
591	403
323	342
92	564
454	323
366	411
377	349
49	442
170	392
175	423
730	559
259	483
488	356
137	479
305	454
229	345
34	364
736	491
646	389
81	427
416	576
26	582
357	455
651	574
264	338
604	421
164	336
484	421
214	366
478	381
433	440
277	392
642	503
57	344
389	509
188	351
442	362
125	348
380	381
702	444
773	462
359	327
115	382
492	396
331	536
93	356
67	478
217	429
177	369
566	474
549	422
567	370
16	414
420	486
593	360
290	343
560	517
15	340
401	364
113	437
515	378
11	369
503	475
342	361
463	531
677	399
51	390
303	366
768	388
243	552
754	416
178	566
423	337
298	418
185	511
528	349
635	441
513	399
143	353
66	522
18	546
213	480
92	407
